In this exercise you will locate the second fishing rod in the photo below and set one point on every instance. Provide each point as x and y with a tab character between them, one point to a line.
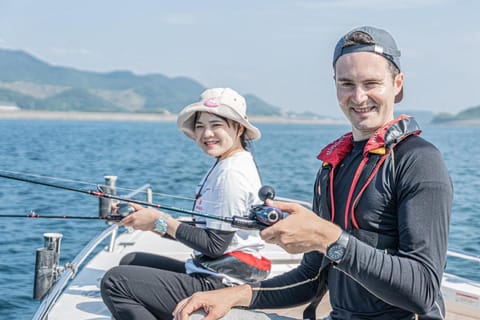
259	216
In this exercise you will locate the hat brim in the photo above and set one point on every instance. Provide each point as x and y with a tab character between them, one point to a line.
185	120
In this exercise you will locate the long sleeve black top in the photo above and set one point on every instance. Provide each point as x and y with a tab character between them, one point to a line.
409	199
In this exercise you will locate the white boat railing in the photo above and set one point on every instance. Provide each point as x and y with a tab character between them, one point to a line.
69	273
71	268
463	255
303	203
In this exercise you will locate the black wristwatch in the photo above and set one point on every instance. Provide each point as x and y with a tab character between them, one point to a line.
336	250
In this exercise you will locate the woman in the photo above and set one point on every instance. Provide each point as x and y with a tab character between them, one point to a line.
147	286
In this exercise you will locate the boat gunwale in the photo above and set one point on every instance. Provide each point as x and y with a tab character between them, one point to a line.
59	287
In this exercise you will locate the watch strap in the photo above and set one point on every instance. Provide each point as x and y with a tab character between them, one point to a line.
340	244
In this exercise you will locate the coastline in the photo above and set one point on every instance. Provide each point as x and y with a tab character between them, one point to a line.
157	117
142	117
460	123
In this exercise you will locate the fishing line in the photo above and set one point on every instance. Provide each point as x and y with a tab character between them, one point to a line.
96	193
90	184
35	215
115	218
259	217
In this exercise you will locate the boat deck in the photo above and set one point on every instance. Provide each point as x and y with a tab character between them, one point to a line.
82	300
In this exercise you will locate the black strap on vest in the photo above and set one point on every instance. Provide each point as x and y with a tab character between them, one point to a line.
373	160
310	311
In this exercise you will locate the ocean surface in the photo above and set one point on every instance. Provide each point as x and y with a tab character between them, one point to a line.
81	153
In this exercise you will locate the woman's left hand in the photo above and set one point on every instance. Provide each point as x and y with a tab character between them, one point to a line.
143	218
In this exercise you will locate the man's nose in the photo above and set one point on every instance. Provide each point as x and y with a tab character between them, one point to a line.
359	95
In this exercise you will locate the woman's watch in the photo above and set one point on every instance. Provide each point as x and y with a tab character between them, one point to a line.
161	226
336	250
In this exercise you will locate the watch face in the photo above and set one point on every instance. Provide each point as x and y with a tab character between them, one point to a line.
161	226
336	252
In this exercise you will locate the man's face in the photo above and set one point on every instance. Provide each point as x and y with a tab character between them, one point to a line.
366	91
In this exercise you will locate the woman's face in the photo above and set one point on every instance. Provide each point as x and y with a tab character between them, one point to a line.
216	136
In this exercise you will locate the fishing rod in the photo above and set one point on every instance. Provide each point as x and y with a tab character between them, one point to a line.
79	182
111	217
259	216
35	215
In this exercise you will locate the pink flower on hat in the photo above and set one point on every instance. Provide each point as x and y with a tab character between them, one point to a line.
212	103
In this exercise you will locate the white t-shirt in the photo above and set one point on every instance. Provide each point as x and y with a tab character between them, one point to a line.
229	189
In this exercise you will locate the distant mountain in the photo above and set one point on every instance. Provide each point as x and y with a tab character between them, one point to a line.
469	114
33	84
422	117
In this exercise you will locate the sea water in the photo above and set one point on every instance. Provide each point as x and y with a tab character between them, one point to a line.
81	153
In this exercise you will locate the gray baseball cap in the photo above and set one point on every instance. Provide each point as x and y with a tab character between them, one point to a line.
384	45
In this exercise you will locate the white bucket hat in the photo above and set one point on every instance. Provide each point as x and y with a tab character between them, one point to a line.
223	102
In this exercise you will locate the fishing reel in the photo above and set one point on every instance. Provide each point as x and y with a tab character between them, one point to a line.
123	210
259	216
263	215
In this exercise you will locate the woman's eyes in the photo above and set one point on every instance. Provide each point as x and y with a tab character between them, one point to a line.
213	125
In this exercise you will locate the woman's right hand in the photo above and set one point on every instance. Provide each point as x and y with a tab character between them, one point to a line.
142	218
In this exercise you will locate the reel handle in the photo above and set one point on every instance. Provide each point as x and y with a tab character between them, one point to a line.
266	192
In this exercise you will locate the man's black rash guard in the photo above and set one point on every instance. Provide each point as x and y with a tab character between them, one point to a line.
409	199
211	243
413	203
289	289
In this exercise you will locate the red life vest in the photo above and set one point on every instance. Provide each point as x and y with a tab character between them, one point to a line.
376	150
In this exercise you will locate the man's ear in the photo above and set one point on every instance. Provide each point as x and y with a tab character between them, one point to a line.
398	83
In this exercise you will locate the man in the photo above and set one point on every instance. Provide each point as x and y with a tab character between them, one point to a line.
382	200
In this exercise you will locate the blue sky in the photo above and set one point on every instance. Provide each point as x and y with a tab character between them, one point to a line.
277	49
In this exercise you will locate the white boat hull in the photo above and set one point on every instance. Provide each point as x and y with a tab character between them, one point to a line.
82	300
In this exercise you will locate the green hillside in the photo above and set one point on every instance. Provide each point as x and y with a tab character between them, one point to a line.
472	113
33	84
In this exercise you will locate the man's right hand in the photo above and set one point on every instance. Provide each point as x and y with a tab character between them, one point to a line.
301	231
215	303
